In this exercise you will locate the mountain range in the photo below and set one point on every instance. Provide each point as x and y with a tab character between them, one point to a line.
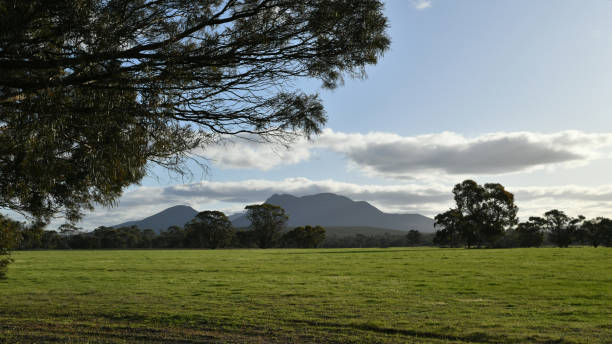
178	215
325	209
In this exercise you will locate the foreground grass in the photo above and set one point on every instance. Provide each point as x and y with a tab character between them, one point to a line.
309	296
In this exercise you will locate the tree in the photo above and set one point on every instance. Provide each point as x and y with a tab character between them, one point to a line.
530	234
9	239
267	222
173	237
482	215
304	237
598	231
94	92
123	237
451	231
413	237
69	229
146	239
562	229
53	240
244	238
32	236
210	229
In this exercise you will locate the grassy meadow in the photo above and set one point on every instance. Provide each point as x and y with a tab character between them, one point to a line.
400	295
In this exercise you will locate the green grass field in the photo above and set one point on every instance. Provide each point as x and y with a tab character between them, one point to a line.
402	295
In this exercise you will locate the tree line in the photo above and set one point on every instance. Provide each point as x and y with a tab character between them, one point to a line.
486	216
209	229
411	238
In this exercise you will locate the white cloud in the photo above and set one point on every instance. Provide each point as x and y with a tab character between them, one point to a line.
450	153
575	200
247	153
259	190
441	154
421	4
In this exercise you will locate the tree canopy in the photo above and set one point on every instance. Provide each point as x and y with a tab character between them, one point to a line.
562	228
531	233
210	229
267	223
598	231
482	215
304	237
94	92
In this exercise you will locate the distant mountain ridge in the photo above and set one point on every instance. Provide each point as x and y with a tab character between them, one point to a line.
178	215
324	209
331	210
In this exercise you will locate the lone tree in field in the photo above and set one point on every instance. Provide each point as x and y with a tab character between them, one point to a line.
94	92
267	223
209	229
451	230
482	215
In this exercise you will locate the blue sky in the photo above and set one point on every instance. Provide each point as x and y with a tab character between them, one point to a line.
484	66
517	92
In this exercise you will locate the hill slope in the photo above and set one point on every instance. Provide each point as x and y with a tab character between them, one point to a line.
325	209
331	210
173	216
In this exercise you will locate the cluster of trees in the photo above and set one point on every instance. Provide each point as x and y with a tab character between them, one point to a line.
563	230
486	216
412	238
209	229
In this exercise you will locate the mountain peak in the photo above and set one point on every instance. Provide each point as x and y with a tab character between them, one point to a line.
280	197
177	215
325	209
180	207
332	210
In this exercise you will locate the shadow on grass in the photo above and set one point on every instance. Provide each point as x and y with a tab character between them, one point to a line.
476	337
381	250
52	332
81	333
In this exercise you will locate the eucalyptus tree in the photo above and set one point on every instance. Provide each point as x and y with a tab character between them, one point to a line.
209	229
531	233
597	231
451	230
482	215
562	229
267	223
304	237
94	93
414	237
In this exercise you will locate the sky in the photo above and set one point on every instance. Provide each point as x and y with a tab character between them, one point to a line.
513	92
